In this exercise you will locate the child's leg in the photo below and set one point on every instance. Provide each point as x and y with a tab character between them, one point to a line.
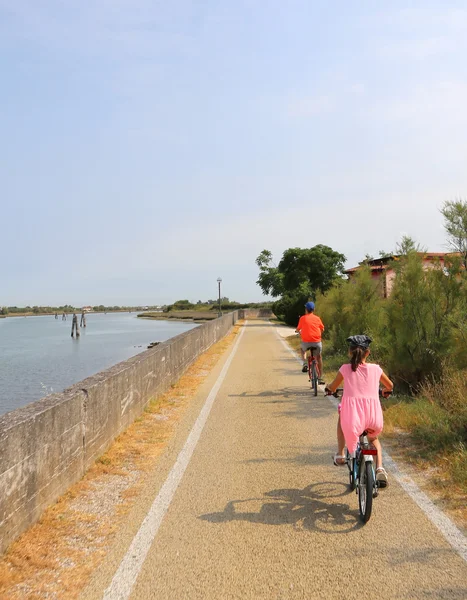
381	475
340	442
379	457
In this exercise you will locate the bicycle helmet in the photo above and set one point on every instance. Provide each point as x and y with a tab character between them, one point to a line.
359	341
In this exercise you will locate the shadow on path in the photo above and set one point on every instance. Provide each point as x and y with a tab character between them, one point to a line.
307	509
298	402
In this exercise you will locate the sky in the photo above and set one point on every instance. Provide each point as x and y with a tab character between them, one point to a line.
149	147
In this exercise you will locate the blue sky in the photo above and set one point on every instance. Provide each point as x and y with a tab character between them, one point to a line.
149	147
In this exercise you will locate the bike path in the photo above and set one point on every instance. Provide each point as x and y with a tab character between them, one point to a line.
261	512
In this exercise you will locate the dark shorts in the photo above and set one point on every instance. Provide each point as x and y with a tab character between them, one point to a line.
317	347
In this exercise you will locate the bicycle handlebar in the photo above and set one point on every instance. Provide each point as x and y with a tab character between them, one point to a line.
338	392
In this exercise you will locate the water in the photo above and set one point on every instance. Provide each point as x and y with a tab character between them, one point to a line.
39	357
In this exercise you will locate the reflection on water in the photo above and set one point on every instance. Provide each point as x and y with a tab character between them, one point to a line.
38	355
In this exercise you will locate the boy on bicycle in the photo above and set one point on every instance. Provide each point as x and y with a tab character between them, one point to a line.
310	328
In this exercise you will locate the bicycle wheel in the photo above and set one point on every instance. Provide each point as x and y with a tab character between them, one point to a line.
314	378
365	490
350	465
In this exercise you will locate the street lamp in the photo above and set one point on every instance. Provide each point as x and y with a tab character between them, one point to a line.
219	281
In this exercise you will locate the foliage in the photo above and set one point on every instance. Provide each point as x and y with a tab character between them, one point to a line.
423	320
270	280
300	275
408	245
291	306
314	269
351	308
422	313
455	224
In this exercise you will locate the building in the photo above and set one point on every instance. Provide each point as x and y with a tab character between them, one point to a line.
382	269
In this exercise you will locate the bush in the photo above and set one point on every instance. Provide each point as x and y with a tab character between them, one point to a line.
423	312
353	307
291	306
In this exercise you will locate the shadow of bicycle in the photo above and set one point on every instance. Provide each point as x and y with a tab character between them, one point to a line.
311	508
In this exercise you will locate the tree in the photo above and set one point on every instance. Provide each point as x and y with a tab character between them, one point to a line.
317	268
455	224
299	276
269	280
407	245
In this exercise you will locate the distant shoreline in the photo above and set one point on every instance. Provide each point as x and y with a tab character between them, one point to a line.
191	316
89	312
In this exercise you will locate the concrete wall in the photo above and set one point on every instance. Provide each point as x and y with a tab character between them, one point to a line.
255	313
48	445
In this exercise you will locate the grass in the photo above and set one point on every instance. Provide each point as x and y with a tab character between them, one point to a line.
184	315
429	431
56	557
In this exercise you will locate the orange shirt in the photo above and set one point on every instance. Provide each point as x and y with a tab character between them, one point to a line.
310	327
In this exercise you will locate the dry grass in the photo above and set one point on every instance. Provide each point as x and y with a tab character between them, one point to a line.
55	557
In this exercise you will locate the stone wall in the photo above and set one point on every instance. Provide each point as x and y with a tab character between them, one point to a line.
255	313
48	445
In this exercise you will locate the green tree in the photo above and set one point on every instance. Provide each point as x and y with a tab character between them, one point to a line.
316	268
269	280
300	275
407	245
182	305
455	224
425	319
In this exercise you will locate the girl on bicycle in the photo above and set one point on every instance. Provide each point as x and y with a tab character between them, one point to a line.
360	408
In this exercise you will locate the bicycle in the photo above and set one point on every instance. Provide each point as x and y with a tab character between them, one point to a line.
361	465
313	373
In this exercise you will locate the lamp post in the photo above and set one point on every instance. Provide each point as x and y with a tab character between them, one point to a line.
219	281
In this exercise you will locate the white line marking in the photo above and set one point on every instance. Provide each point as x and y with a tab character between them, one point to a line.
130	567
451	533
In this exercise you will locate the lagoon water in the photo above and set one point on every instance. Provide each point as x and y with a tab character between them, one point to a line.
39	357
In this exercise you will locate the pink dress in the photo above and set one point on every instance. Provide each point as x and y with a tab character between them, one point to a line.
360	408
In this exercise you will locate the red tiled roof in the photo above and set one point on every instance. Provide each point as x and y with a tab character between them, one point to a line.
377	263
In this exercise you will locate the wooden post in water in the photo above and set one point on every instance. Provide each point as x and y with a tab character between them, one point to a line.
83	319
75	326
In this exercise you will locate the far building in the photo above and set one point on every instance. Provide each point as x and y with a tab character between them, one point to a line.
382	268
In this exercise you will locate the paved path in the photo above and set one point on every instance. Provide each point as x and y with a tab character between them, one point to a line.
261	513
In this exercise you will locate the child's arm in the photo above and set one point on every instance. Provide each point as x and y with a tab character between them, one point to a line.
332	387
387	383
297	330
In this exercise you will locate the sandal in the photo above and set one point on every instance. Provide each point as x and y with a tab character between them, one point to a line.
338	457
381	477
